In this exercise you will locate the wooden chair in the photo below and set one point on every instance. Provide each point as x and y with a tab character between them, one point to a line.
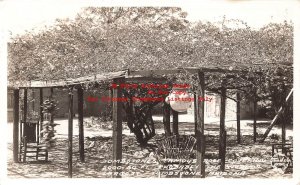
30	146
282	156
175	150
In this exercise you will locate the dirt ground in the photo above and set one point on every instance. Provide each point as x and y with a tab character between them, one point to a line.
246	160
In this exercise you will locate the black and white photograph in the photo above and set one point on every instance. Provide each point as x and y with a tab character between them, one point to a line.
172	90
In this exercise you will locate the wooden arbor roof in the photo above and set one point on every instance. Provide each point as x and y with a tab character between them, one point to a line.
120	77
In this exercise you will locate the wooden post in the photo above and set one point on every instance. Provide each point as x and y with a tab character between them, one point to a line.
166	119
283	130
70	133
223	150
41	110
195	111
175	122
283	122
238	117
51	98
25	107
222	147
33	98
200	126
111	95
80	123
24	119
16	126
254	116
117	130
283	133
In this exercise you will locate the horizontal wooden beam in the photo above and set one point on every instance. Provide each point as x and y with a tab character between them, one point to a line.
150	73
69	82
128	74
145	79
193	70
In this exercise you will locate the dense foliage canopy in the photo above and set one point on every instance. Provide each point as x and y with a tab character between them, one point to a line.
112	39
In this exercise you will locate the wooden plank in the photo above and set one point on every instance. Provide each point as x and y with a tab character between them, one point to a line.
145	79
151	73
280	111
68	82
117	129
16	126
200	126
80	123
166	119
175	122
222	147
70	134
254	116
238	117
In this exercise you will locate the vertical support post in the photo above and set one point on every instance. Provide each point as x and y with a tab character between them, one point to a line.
51	97
117	129
238	117
24	125
111	95
284	121
25	106
200	125
70	133
222	141
33	98
283	133
16	126
195	111
41	110
254	116
80	123
166	119
175	122
283	130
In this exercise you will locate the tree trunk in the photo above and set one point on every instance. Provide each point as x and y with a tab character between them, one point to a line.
200	126
166	119
175	122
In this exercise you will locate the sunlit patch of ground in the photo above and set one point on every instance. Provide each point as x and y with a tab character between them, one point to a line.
247	160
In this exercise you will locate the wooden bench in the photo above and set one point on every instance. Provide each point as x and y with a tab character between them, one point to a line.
175	150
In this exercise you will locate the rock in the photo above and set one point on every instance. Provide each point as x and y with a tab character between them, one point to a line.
151	155
138	154
145	151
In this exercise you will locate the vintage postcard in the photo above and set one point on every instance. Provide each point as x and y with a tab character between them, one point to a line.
192	91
